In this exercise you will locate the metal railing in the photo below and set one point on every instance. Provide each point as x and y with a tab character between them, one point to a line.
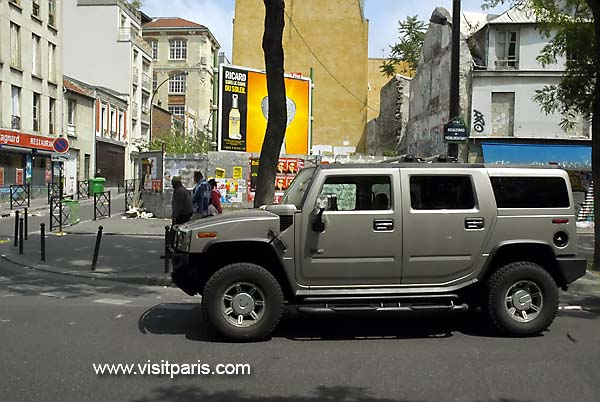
134	109
102	205
20	195
146	82
15	122
135	74
53	190
132	34
83	189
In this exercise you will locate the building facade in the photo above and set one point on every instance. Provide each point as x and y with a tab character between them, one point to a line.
30	90
185	55
104	47
340	97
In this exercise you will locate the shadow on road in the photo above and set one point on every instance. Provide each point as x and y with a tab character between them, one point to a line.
186	319
180	393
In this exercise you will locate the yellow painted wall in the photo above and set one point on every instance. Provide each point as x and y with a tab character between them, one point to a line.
329	36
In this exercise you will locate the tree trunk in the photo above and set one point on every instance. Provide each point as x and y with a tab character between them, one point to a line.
276	125
595	7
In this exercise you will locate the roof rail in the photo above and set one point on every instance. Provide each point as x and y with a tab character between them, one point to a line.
416	159
404	158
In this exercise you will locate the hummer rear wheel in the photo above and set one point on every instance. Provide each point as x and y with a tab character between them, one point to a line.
243	301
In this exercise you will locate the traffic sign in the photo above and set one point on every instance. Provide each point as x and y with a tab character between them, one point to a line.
56	157
456	130
60	145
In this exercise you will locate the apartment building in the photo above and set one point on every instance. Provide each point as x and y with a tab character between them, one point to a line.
31	48
104	48
185	56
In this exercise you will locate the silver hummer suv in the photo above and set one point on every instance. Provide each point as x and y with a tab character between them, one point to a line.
389	237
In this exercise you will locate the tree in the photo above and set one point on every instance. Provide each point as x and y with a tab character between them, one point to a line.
276	124
573	27
179	143
408	49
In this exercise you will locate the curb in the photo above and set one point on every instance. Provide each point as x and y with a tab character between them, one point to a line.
143	279
153	235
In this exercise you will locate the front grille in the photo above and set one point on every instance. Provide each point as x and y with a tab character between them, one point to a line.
285	221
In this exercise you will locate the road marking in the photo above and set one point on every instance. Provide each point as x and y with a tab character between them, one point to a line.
119	316
58	295
4	320
112	301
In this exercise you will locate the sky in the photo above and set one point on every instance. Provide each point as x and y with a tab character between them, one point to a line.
383	17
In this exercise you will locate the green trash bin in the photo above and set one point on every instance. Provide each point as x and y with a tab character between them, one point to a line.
73	206
97	185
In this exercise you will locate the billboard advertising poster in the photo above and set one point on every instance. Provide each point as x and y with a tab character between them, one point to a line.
243	111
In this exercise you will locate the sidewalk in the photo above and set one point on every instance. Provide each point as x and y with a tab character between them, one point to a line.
117	225
133	259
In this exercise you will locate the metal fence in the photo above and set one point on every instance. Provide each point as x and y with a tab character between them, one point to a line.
53	191
20	195
102	205
83	189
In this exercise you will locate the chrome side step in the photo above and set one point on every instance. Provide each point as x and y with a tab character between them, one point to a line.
340	308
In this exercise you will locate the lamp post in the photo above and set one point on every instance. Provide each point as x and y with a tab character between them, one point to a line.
172	74
454	72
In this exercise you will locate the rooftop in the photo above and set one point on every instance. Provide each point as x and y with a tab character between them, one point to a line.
171	22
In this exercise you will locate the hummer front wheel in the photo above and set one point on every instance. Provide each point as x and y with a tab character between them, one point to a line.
243	301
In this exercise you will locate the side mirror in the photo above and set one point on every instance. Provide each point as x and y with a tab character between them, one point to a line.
324	201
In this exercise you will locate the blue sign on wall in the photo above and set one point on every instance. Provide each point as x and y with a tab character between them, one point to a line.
574	157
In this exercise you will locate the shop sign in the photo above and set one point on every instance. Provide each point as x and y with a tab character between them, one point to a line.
17	139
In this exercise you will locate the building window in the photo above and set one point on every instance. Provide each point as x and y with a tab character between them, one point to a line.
15	121
154	82
177	110
103	120
154	46
365	193
36	112
71	107
177	49
15	46
36	60
51	62
35	11
52	12
121	131
503	114
51	116
507	49
177	84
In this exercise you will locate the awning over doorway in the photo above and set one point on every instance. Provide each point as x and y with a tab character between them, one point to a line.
573	157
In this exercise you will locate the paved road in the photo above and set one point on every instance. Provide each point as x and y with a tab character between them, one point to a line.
53	328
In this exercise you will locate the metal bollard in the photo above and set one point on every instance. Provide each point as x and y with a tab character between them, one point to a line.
21	235
16	228
97	248
43	241
26	225
167	253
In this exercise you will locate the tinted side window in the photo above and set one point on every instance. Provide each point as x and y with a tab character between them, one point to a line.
441	192
359	193
530	192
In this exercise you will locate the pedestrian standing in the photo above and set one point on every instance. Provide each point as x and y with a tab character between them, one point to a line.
201	195
215	207
181	202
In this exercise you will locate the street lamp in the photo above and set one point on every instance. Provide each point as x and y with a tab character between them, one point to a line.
454	107
172	74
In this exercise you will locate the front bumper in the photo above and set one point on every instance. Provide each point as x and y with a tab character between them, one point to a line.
183	274
571	268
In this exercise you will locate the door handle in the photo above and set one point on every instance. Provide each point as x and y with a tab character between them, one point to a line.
383	225
474	223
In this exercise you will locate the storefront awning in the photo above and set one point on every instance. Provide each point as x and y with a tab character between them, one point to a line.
574	157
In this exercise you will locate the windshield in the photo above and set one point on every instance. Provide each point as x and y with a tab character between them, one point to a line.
295	192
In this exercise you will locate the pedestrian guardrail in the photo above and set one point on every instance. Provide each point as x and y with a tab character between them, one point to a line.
132	190
20	195
102	205
83	189
60	212
53	191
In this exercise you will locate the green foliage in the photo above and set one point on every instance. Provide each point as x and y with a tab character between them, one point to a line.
179	144
390	153
411	37
568	24
136	4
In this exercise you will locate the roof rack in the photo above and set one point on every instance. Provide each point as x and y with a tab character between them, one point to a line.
408	158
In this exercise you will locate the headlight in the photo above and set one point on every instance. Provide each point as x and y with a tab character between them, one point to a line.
184	238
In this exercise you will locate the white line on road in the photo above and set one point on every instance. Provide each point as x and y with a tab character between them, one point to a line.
112	301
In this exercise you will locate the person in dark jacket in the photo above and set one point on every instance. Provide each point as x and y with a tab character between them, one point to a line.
181	202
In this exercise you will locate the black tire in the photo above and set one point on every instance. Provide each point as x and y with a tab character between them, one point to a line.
267	289
508	278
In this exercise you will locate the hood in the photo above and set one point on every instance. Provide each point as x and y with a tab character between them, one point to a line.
231	217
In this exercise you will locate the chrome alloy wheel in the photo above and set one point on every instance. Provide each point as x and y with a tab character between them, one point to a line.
243	304
524	301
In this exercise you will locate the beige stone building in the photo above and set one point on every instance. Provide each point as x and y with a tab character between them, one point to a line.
31	47
331	37
179	45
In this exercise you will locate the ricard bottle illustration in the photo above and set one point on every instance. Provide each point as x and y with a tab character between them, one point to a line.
234	119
